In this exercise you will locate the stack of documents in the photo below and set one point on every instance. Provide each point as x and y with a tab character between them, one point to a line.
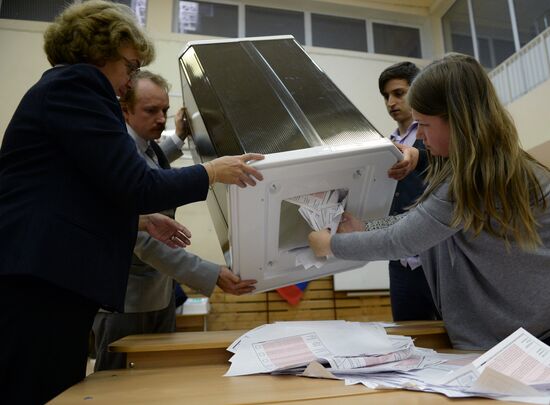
290	347
321	210
517	369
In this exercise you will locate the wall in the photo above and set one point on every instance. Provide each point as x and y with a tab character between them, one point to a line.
532	117
23	60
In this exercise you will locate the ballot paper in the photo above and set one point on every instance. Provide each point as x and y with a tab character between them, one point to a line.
514	370
321	210
519	366
289	345
517	369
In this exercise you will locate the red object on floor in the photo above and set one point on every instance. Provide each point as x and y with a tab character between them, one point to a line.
293	293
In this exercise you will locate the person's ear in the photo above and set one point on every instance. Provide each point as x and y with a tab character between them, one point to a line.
125	110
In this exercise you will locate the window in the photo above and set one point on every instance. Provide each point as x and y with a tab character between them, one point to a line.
139	7
493	24
396	40
533	17
201	17
32	10
261	21
339	32
457	32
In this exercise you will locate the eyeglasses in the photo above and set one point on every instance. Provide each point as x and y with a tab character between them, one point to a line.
132	67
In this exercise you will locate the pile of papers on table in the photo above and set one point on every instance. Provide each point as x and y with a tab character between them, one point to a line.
517	369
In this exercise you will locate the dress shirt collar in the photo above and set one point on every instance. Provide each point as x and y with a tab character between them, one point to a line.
141	143
408	138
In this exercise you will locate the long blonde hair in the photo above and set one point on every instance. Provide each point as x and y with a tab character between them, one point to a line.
491	179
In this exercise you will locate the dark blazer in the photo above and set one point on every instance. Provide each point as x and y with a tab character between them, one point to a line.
72	185
411	187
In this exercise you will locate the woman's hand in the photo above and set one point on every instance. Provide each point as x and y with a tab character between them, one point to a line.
349	223
165	229
234	170
319	241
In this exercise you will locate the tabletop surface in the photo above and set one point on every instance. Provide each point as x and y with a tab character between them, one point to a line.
205	384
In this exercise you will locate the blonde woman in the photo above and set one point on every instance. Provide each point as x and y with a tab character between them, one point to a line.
72	187
482	227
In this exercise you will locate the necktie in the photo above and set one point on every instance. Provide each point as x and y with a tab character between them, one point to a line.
151	153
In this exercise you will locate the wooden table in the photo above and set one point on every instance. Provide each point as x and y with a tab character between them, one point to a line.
201	380
199	348
205	385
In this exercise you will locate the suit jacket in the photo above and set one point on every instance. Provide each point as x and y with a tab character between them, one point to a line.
72	186
155	265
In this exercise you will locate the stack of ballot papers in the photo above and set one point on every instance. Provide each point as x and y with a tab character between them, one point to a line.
321	210
517	369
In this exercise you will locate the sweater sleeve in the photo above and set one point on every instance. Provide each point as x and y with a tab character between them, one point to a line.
422	228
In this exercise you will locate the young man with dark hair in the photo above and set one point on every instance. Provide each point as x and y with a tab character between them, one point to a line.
410	295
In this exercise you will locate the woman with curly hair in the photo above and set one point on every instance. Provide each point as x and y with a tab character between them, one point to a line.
72	187
482	227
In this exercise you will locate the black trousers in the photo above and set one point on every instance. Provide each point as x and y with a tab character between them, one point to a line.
410	295
44	334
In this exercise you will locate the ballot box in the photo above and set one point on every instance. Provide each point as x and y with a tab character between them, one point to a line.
266	95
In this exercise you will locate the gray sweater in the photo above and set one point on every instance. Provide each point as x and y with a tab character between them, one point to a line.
483	291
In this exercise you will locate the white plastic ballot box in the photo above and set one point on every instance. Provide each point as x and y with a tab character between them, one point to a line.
265	95
267	233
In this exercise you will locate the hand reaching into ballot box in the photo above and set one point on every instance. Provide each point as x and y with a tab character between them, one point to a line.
319	241
348	223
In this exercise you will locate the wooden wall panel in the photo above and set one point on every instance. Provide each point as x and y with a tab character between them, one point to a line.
320	302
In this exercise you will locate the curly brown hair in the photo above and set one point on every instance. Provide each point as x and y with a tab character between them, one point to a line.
93	32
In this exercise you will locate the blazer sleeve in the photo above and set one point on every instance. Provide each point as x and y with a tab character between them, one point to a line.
182	266
170	149
82	115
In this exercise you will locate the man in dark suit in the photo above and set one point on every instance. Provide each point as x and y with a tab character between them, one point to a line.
410	295
149	305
